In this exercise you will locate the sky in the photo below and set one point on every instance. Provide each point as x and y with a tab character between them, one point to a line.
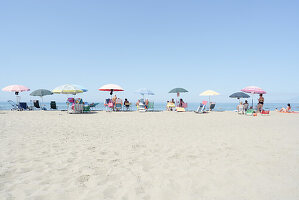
198	45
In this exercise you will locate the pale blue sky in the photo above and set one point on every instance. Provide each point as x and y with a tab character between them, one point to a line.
198	45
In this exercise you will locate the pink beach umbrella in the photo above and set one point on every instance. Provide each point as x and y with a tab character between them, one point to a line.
253	90
111	87
16	89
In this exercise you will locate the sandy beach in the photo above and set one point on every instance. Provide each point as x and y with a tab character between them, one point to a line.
163	155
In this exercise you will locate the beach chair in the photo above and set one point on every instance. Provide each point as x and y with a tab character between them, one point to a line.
127	106
86	108
76	108
170	106
201	108
13	105
118	104
23	106
212	106
36	104
141	106
93	105
250	112
151	106
53	105
108	104
241	110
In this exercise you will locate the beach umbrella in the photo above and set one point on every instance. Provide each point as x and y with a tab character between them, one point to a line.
40	93
253	90
67	89
111	88
239	95
81	87
16	89
209	93
178	91
144	91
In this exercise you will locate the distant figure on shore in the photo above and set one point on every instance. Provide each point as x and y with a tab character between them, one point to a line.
246	105
288	109
261	103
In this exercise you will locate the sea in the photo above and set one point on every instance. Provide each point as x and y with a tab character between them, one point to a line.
159	106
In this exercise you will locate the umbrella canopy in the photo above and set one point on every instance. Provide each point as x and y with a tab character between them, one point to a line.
253	90
144	91
209	93
41	92
239	95
178	90
67	89
15	88
81	87
111	87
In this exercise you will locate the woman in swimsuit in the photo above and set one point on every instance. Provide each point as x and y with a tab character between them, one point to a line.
288	109
261	103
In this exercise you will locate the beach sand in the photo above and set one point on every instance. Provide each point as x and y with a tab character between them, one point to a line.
163	155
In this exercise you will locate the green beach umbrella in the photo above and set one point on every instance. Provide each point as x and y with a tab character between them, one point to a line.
178	91
40	93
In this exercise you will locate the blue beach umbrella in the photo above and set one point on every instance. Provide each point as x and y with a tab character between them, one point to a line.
145	91
81	87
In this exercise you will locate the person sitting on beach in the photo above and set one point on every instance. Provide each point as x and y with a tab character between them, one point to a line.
240	106
261	103
172	101
146	103
288	109
181	103
246	105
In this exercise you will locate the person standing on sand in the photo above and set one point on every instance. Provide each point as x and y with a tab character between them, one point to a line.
261	103
246	105
114	100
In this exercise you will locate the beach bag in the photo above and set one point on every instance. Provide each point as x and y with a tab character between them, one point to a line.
110	105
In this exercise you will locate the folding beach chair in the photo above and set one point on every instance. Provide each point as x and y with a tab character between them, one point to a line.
36	104
93	105
23	106
118	104
201	108
127	106
241	110
250	112
53	105
13	105
151	106
212	106
141	106
108	104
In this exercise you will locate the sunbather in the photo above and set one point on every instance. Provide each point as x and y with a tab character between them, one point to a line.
288	109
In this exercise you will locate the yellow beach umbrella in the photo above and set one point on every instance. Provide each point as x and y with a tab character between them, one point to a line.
209	93
67	89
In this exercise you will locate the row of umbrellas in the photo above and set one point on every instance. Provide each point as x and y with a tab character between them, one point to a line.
75	89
